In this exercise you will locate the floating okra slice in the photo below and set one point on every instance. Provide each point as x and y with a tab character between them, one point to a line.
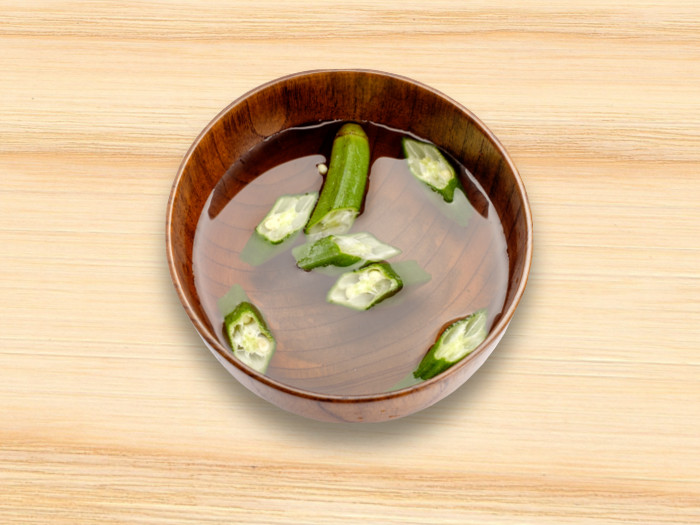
456	342
344	186
288	215
362	289
428	165
342	250
249	337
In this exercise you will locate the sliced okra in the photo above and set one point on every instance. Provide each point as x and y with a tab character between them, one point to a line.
344	187
342	250
362	289
456	342
429	166
288	215
249	337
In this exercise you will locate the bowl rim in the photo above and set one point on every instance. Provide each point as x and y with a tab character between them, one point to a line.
494	335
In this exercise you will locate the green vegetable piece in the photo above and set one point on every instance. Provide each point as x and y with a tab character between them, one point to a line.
344	187
323	252
429	166
362	289
249	337
287	216
456	342
342	250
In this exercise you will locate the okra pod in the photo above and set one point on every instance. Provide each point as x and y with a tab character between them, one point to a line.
288	215
362	289
456	342
249	337
429	166
344	187
342	250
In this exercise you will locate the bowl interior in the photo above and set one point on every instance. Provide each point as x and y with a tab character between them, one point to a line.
342	95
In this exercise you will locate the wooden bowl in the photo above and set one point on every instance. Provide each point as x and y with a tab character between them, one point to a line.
354	95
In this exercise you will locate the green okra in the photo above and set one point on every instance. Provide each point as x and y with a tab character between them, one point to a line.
428	165
288	215
344	187
342	250
456	342
362	289
250	339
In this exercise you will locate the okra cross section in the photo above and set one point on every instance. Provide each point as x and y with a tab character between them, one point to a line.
362	289
342	250
456	342
288	215
250	339
344	187
428	165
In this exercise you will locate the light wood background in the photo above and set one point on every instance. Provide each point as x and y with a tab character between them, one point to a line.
112	410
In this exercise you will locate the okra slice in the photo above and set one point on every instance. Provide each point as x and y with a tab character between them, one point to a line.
362	289
288	215
344	187
456	342
342	250
249	337
428	165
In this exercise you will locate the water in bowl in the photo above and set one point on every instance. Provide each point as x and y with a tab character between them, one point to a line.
328	348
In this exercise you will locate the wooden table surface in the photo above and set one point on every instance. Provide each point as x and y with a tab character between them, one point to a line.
113	410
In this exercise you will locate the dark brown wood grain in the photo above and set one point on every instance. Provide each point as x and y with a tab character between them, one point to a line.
343	95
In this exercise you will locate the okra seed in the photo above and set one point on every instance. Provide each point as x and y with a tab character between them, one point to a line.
263	343
322	168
